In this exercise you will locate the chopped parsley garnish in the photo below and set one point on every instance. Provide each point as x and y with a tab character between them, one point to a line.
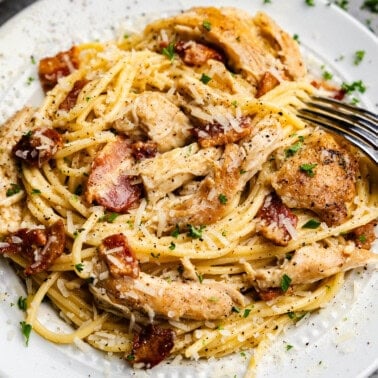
343	4
14	189
308	169
354	101
109	217
195	232
87	98
28	134
130	357
243	354
296	316
32	59
175	233
312	223
285	282
214	299
235	309
200	277
207	25
26	330
355	86
77	232
234	103
362	238
169	51
288	346
79	267
222	199
267	1
30	80
310	3
125	36
371	5
172	246
358	57
155	256
293	149
35	191
296	38
242	171
327	75
205	79
246	312
22	303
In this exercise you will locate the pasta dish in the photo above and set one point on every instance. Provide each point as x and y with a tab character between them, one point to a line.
168	201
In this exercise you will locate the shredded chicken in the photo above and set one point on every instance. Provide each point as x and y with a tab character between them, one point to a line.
252	45
320	177
218	189
175	167
172	299
312	263
161	120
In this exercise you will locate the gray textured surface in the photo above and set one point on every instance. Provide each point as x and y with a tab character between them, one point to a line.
368	18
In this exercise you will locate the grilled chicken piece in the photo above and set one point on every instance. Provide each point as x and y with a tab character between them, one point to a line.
252	45
175	167
155	296
209	203
162	121
320	177
312	263
111	182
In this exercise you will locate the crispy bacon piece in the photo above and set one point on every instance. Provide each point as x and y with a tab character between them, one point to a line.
269	294
52	68
41	247
337	92
109	183
151	345
196	54
273	220
119	257
266	84
38	146
214	134
70	101
363	236
144	150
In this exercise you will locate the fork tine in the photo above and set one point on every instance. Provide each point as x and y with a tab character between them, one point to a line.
347	107
359	116
348	127
368	146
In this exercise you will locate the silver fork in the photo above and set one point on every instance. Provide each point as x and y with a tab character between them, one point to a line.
359	126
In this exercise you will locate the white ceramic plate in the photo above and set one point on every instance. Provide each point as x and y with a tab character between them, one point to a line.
340	341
